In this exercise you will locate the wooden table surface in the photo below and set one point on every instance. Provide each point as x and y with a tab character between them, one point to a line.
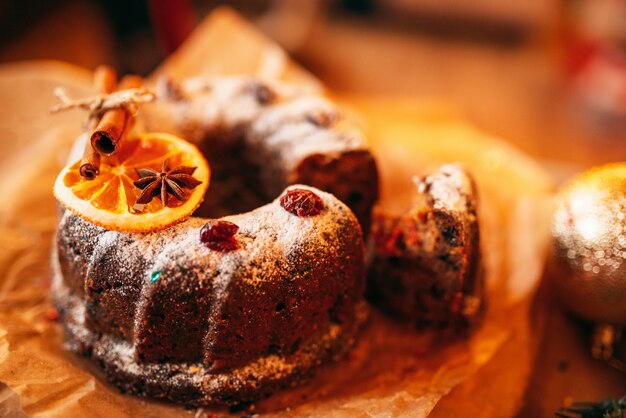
513	92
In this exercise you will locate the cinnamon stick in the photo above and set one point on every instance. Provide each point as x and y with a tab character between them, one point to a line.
131	81
108	135
90	164
105	80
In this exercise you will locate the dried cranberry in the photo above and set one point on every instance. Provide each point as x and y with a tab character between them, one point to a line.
219	235
302	202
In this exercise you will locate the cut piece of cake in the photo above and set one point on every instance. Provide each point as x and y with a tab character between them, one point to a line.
426	266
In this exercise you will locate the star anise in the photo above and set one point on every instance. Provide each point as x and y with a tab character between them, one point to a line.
167	182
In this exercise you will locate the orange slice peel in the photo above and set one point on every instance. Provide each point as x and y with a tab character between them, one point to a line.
110	200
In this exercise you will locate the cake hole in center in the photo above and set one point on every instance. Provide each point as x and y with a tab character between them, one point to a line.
237	185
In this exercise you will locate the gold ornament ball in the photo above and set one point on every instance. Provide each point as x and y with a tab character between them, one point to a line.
589	244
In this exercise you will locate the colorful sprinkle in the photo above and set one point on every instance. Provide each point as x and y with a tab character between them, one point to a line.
155	276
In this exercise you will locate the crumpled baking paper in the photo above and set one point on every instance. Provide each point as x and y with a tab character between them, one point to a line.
393	371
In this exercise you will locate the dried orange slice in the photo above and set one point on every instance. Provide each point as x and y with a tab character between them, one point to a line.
128	193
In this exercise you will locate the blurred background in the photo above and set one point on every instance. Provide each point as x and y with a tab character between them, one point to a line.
546	75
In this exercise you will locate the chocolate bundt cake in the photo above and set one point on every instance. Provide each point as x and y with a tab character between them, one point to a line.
270	134
426	267
226	311
219	311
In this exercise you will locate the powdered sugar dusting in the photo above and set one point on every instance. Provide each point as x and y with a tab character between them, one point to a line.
449	187
267	230
229	103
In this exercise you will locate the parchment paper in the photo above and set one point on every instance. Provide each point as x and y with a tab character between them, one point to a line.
393	370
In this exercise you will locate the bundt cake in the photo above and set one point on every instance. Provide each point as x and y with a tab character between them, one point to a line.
272	135
226	311
426	267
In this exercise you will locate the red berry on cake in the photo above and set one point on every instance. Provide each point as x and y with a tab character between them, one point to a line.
301	202
219	235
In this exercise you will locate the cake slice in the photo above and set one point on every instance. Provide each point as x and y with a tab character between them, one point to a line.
426	266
